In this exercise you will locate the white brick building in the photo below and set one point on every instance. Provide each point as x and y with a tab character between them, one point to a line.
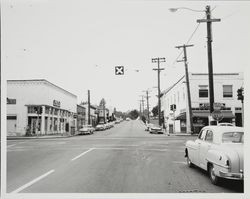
225	92
39	107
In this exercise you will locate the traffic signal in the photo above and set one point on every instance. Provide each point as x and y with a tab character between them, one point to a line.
240	94
173	107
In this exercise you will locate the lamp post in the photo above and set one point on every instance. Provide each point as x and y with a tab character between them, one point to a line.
209	21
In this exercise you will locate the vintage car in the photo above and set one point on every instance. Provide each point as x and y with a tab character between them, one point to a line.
86	129
100	127
148	125
219	151
155	129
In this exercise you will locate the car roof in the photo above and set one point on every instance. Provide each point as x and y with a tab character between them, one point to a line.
224	128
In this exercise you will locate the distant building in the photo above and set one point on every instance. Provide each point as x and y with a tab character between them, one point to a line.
39	107
81	116
225	94
93	113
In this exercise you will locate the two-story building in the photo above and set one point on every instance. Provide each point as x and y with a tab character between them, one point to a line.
81	116
91	113
225	94
39	107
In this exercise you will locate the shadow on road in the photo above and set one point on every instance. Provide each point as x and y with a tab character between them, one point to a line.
232	185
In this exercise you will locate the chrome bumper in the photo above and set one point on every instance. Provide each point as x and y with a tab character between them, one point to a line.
236	176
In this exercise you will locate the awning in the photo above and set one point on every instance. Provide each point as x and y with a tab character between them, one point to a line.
204	114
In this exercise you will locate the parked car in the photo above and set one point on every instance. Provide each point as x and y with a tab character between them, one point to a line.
148	125
155	129
219	151
225	124
100	127
87	129
128	119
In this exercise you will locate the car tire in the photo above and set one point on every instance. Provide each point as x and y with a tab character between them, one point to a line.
214	179
189	162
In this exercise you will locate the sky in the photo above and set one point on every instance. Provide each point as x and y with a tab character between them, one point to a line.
77	44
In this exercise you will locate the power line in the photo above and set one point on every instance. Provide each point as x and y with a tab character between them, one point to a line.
195	30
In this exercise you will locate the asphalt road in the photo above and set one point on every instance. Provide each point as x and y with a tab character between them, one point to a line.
124	159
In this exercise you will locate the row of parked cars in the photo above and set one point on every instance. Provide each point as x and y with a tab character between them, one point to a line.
89	129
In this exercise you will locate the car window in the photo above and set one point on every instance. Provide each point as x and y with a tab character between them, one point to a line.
202	134
233	137
209	136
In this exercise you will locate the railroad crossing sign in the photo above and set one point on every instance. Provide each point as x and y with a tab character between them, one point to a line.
217	115
119	70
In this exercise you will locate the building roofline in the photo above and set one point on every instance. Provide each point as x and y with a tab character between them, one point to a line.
168	89
42	80
215	73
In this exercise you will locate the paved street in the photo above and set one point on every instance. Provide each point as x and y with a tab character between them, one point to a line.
124	159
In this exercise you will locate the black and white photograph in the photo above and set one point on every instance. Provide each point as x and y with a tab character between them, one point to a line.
124	99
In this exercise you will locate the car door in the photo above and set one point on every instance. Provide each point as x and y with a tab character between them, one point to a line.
196	154
205	145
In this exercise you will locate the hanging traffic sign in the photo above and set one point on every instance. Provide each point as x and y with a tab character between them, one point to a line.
217	115
119	70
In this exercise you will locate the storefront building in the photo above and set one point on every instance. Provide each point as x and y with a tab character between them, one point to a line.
81	116
225	96
38	107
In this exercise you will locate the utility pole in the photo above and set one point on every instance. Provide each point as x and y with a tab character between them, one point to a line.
88	107
147	98
189	118
142	100
158	60
209	21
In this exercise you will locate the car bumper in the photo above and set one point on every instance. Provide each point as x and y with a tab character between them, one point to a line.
235	176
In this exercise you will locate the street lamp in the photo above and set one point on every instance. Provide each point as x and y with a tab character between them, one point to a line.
209	21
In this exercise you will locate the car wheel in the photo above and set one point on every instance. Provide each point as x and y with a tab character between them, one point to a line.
189	163
214	179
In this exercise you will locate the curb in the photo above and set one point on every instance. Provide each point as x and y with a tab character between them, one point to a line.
37	137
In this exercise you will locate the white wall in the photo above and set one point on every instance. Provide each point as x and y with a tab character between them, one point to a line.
35	92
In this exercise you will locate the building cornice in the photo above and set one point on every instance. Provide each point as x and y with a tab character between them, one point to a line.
41	81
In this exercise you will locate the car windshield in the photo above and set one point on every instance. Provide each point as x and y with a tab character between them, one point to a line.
233	137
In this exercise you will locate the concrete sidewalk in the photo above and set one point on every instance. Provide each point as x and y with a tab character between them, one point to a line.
38	137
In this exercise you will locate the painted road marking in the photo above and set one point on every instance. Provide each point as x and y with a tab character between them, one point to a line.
33	182
82	154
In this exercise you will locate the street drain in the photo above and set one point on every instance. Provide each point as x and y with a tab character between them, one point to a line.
192	191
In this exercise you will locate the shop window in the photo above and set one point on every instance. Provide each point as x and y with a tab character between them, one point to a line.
227	91
203	91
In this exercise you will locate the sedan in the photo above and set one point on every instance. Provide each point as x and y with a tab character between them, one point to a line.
87	129
219	151
155	129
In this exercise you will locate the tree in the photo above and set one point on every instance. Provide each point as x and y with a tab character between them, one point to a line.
155	111
133	114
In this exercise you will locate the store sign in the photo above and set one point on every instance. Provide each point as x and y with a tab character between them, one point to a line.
11	101
56	103
204	105
218	105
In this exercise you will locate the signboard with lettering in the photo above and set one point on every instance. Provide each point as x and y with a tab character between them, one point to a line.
56	103
11	101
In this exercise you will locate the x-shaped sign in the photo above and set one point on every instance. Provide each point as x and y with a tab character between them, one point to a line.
119	70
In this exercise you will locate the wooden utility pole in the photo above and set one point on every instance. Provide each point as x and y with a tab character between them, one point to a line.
189	116
209	21
158	60
88	107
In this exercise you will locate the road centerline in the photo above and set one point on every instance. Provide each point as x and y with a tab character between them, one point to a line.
82	154
33	181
